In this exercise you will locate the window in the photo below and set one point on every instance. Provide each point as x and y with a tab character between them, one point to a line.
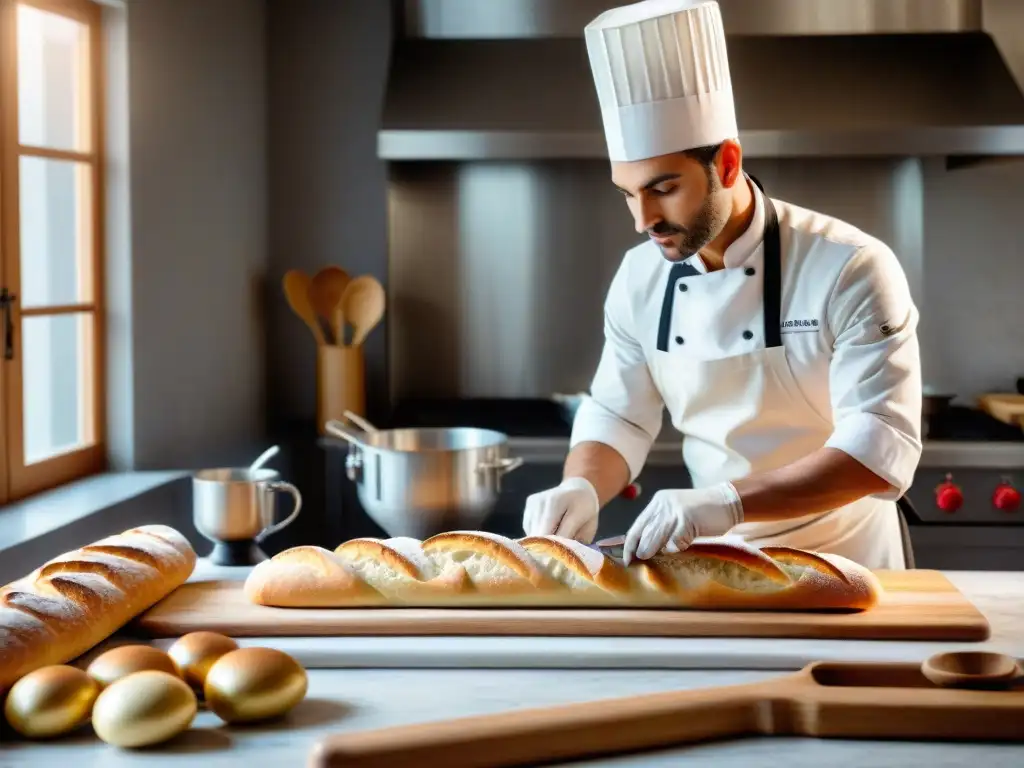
51	238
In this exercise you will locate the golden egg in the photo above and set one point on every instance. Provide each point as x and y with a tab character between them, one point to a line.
144	708
50	701
254	684
121	662
193	655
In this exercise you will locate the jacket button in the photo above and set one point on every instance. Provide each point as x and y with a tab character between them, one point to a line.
748	335
679	339
682	287
749	271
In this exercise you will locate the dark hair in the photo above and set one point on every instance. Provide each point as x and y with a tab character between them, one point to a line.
704	155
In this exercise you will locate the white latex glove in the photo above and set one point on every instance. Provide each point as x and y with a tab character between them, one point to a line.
570	509
673	519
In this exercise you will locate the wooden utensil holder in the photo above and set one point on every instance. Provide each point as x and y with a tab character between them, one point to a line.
340	383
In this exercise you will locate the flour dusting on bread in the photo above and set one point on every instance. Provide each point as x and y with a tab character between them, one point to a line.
476	568
81	597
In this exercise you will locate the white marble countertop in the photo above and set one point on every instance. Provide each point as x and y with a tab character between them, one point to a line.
358	699
360	693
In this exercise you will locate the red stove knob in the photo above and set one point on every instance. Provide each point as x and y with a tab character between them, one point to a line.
1006	497
948	496
631	491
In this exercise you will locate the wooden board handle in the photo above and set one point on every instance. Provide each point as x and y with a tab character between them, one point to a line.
834	700
536	736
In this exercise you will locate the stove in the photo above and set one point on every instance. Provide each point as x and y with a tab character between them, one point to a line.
966	496
969	474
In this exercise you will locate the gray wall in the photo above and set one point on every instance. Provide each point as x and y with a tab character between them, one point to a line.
973	330
327	71
188	231
243	144
498	275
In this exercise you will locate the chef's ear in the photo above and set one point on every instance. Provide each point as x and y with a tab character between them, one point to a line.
729	162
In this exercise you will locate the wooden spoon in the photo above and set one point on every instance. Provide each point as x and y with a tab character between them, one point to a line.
325	294
972	669
363	304
296	291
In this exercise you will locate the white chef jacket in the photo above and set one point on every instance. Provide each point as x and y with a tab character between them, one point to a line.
849	334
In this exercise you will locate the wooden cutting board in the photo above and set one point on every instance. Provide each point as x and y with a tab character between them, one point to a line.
916	605
824	700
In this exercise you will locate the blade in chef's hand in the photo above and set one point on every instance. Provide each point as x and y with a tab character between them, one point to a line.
611	547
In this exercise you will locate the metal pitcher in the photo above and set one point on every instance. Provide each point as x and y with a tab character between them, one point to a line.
235	509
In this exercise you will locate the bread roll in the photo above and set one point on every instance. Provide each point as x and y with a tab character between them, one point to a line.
126	660
472	568
193	655
68	605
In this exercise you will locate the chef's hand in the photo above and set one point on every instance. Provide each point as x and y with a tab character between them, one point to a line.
569	510
673	519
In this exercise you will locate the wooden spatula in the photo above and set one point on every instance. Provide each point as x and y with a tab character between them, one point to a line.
831	700
296	291
325	294
363	303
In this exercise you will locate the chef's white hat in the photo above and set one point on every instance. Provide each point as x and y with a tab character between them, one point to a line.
662	76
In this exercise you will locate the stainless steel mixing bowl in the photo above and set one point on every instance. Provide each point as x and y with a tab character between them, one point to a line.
420	482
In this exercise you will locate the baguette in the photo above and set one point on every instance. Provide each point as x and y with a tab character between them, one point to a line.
473	568
80	598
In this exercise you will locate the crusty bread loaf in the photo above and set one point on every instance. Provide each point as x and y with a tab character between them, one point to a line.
78	599
473	568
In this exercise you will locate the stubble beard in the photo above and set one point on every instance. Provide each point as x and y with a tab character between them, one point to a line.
706	226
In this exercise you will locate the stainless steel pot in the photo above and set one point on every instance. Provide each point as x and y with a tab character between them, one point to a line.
420	482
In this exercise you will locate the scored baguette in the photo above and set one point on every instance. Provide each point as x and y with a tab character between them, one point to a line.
474	568
80	598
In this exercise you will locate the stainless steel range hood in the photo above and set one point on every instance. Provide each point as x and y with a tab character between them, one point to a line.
509	79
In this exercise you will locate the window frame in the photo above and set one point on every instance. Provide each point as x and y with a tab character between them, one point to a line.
18	480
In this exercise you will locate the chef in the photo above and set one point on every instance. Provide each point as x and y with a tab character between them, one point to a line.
782	341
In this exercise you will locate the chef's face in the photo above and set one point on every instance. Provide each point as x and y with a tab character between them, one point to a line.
677	199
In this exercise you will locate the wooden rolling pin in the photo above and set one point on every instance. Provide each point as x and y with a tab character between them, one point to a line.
830	700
